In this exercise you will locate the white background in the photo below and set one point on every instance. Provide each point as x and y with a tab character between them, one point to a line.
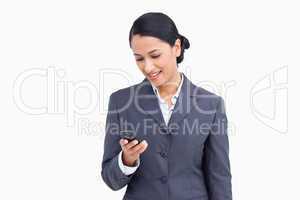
241	44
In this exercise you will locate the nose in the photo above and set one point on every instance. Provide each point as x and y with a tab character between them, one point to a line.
148	66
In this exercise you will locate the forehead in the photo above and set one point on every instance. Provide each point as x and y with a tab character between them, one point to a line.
144	44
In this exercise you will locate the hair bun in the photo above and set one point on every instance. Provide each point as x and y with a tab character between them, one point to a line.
185	42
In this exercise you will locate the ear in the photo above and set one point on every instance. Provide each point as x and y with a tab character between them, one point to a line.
177	47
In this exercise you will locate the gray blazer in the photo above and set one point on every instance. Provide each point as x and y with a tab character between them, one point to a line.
186	159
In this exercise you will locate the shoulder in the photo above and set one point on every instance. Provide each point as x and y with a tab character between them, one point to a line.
207	98
123	94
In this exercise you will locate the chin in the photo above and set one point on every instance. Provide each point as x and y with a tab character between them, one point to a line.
158	84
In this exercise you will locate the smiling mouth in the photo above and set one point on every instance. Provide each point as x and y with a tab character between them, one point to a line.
154	75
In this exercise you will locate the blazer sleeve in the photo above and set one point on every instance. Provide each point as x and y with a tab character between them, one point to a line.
111	172
216	163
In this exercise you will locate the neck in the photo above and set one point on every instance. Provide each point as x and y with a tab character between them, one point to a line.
171	86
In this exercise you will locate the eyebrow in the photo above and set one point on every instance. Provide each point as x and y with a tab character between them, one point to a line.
148	52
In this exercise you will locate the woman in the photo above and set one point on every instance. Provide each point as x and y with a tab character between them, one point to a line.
181	149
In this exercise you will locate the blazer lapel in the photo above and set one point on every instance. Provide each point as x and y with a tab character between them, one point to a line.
184	102
147	102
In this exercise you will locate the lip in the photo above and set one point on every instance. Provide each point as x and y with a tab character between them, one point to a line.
153	78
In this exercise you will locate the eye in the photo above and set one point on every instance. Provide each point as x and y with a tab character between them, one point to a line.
139	59
155	56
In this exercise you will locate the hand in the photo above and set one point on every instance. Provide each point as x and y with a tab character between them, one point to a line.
132	151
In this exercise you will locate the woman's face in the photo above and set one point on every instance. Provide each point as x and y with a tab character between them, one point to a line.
154	56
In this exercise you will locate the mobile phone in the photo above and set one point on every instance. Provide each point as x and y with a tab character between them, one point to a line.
128	135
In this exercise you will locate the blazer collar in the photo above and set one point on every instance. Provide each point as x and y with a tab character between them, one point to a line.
148	101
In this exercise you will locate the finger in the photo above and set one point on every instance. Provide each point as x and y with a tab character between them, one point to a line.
138	147
123	142
142	149
131	144
137	152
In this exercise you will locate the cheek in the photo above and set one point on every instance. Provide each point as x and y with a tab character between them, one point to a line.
168	64
162	62
140	66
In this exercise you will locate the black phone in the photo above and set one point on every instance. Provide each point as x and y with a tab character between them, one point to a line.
128	135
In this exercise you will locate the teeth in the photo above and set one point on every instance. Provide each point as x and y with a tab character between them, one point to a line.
154	74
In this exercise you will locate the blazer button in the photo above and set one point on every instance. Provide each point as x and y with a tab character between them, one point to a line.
164	179
164	129
163	154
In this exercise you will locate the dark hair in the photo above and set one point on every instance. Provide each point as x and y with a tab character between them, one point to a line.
161	26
